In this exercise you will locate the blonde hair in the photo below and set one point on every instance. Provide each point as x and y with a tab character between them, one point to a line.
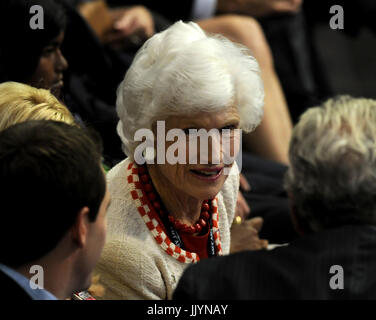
20	102
332	175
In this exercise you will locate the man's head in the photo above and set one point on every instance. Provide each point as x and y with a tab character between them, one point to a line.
53	190
332	177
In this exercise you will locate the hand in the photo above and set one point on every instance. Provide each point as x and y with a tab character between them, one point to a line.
259	8
242	209
96	289
244	236
244	183
135	24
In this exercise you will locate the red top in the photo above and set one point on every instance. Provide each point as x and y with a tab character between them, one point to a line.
192	243
198	244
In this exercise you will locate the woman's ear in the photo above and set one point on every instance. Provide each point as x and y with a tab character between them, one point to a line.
80	228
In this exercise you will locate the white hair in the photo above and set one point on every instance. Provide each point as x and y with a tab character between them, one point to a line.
182	71
332	176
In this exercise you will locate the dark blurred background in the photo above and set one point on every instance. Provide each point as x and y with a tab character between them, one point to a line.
315	62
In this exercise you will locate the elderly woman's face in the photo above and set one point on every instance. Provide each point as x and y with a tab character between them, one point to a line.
201	181
52	64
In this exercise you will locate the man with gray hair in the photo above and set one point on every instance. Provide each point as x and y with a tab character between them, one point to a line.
332	187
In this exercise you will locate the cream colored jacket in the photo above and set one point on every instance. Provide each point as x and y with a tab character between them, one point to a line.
133	264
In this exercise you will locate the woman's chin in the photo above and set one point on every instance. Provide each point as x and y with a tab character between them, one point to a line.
205	192
56	88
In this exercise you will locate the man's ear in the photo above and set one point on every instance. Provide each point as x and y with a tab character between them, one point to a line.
80	228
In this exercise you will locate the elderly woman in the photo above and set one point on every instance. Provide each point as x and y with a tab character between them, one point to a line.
164	214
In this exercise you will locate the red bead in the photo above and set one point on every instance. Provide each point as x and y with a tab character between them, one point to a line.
205	207
191	229
171	219
148	187
144	178
186	229
152	196
178	225
198	227
202	222
205	215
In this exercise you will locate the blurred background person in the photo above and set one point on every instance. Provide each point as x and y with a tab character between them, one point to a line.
45	66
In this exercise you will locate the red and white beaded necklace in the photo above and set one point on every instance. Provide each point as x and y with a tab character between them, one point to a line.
147	204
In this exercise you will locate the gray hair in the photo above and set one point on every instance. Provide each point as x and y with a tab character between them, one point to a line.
332	176
183	71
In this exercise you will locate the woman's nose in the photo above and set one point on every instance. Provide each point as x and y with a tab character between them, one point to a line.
214	151
61	63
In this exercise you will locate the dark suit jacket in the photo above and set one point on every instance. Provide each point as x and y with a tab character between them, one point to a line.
10	290
298	271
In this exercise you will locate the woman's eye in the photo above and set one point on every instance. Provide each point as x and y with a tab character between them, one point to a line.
49	51
230	127
186	131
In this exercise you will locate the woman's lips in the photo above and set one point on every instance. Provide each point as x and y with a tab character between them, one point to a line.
57	88
58	84
208	174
